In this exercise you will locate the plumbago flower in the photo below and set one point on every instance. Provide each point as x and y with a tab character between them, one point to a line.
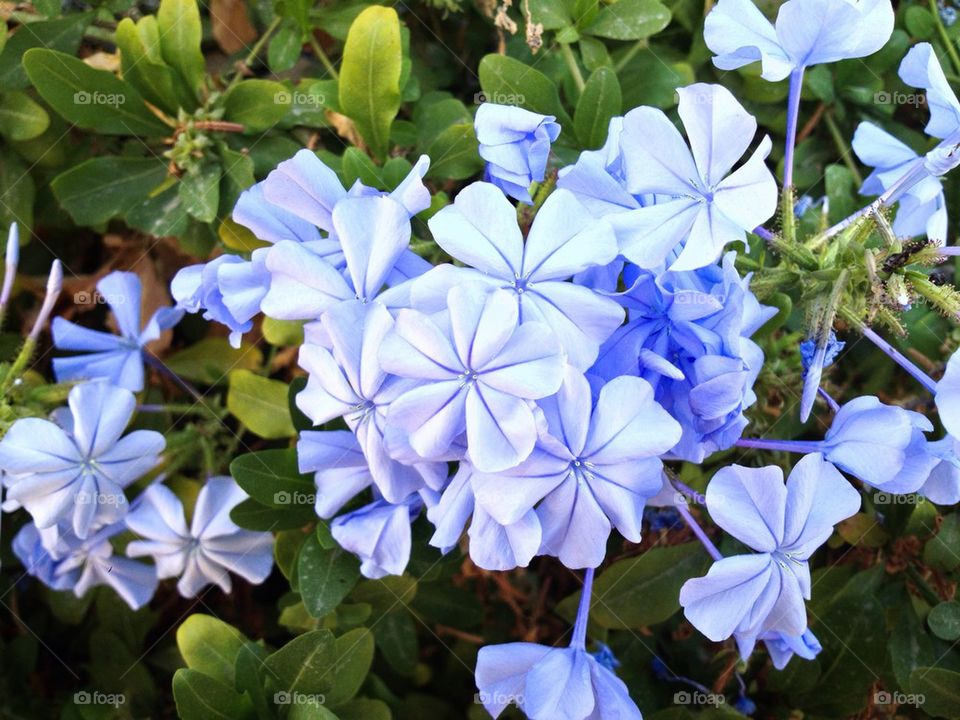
701	206
784	523
592	470
807	32
118	359
347	381
61	561
480	229
550	683
688	334
74	473
210	549
516	145
293	207
379	534
478	367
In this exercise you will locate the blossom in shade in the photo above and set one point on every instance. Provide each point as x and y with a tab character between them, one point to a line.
74	473
339	466
516	146
763	592
882	445
209	549
197	290
63	562
807	32
815	355
480	229
701	205
346	381
922	209
942	485
478	369
948	396
379	534
118	359
781	647
590	472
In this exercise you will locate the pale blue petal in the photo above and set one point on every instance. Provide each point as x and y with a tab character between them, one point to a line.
558	687
824	31
499	547
739	34
921	68
719	129
270	222
749	503
502	673
122	291
101	412
818	497
302	284
501	429
305	187
656	158
373	232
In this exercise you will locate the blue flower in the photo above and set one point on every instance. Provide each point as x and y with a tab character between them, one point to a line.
379	534
550	683
764	592
948	396
478	368
118	359
63	562
882	445
591	472
516	145
815	357
492	546
196	288
781	647
480	229
922	209
75	475
807	32
701	206
942	485
688	334
921	68
340	468
209	549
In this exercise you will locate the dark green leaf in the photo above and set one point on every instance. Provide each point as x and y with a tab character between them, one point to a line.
599	101
64	35
940	689
102	188
510	82
325	577
630	20
200	697
273	478
258	105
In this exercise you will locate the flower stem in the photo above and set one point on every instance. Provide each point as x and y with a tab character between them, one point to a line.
793	111
842	147
157	363
694	526
900	359
944	36
571	61
322	57
583	612
255	50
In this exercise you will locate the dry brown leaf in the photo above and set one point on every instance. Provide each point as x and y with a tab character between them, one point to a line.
231	26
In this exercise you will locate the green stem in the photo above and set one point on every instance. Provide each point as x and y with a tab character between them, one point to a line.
255	50
788	218
923	586
639	45
19	366
948	43
845	152
322	57
571	61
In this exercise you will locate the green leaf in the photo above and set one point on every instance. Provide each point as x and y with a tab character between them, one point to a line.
106	187
253	515
160	215
210	646
511	82
387	594
258	105
301	665
552	14
201	697
364	709
454	153
92	99
370	75
178	22
210	360
920	22
354	655
943	550
64	35
940	689
284	49
447	605
325	577
643	590
145	70
17	191
396	636
630	20
200	193
283	332
20	117
357	165
260	403
944	620
910	647
272	477
599	101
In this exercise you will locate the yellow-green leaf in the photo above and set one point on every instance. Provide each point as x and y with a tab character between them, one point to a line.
260	403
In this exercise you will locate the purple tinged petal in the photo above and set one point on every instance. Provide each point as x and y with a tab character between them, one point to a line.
612	697
244	285
70	336
558	687
339	466
374	232
270	222
303	285
568	412
502	673
305	187
418	348
481	323
433	415
749	503
480	229
122	292
379	534
529	366
503	547
739	34
575	528
818	497
450	514
657	230
501	429
509	495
